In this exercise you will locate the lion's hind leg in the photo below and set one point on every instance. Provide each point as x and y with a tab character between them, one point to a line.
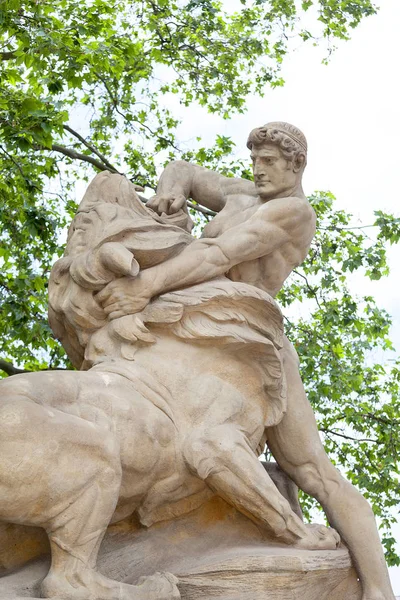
223	458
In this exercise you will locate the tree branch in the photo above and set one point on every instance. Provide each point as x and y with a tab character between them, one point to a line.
78	156
9	368
205	211
85	158
350	228
347	437
8	55
382	419
91	147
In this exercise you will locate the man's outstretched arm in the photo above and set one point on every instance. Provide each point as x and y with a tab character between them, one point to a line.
181	180
273	225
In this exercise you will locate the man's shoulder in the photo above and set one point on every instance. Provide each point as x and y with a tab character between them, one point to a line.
294	205
290	214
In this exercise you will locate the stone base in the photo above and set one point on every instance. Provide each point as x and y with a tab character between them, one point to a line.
275	574
217	554
271	574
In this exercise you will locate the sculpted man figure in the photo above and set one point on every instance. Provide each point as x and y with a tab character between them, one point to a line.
183	374
263	231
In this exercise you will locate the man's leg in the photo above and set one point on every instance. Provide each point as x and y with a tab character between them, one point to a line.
296	446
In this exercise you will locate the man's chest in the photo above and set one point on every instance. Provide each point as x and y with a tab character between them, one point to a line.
237	211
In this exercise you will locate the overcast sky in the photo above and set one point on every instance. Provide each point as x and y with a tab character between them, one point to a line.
349	112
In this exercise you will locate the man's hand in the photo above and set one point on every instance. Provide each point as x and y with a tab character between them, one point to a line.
167	203
125	296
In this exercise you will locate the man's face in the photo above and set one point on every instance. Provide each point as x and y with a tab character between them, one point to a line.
273	174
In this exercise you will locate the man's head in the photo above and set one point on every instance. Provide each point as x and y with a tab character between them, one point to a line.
279	155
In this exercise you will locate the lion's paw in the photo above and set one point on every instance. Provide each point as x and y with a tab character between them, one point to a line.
160	586
319	537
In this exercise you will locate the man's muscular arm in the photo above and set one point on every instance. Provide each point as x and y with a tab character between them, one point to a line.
182	180
273	225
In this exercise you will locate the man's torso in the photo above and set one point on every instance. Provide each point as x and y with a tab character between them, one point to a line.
267	272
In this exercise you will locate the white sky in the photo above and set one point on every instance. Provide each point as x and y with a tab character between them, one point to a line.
349	112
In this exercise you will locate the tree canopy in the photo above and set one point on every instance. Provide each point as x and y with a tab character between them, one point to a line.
87	86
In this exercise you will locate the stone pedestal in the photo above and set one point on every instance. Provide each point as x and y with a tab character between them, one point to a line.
217	554
274	574
270	574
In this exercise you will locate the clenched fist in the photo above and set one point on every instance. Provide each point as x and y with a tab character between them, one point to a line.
167	203
125	296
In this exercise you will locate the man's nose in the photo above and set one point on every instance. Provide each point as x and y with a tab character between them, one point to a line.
258	169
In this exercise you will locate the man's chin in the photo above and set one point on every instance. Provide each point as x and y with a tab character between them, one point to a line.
266	194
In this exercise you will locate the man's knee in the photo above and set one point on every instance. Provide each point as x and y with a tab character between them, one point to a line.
319	479
324	483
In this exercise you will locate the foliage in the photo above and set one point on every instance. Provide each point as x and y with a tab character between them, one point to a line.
110	70
88	86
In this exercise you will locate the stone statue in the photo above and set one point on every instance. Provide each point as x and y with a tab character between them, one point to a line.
184	373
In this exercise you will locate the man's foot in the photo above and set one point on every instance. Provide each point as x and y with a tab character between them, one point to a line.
319	537
90	585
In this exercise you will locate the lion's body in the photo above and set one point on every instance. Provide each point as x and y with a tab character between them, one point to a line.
121	414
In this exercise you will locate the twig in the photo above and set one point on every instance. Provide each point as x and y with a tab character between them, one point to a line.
92	148
311	289
347	437
335	228
115	102
24	177
381	419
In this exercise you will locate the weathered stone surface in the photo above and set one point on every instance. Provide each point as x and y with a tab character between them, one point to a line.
184	374
322	575
279	574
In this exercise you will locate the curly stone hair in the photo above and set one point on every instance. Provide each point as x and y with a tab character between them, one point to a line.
290	140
